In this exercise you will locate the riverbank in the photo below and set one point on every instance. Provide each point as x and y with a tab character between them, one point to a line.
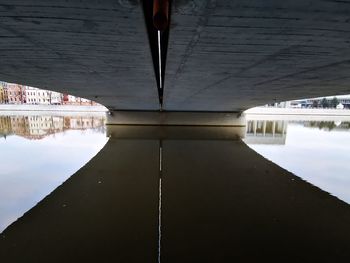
297	111
288	114
55	108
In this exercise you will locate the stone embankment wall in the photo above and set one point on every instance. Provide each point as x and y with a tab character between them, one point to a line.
56	108
297	111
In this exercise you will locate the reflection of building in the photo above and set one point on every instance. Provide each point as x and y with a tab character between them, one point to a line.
41	126
266	132
5	126
37	127
19	125
326	125
84	123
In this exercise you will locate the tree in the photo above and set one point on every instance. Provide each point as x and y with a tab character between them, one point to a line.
324	103
334	102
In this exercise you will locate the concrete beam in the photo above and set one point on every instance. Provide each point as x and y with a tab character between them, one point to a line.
175	118
167	132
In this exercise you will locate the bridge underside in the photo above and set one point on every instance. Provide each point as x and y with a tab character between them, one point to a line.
222	55
179	194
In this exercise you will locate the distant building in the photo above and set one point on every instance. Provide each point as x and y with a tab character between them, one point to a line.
56	98
15	93
295	104
69	99
43	97
340	106
3	93
72	100
37	96
344	100
11	93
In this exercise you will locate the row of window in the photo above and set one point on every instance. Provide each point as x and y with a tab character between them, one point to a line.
29	93
37	125
39	100
15	93
33	94
30	100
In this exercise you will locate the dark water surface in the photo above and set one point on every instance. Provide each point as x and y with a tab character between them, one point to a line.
38	153
167	194
318	151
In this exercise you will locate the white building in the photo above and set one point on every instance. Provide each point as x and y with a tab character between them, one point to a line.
37	96
55	98
340	106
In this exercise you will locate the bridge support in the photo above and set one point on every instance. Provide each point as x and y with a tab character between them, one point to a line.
233	119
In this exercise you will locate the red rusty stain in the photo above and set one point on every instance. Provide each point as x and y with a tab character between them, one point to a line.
160	14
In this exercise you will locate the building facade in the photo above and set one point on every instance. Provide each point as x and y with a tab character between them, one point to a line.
11	93
72	100
3	94
5	126
37	96
38	127
15	93
56	98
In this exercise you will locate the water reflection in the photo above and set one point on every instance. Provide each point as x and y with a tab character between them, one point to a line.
315	150
266	132
40	152
37	127
183	194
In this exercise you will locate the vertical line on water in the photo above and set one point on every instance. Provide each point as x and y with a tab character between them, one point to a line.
160	201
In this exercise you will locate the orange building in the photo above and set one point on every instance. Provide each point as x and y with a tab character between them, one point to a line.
15	93
3	93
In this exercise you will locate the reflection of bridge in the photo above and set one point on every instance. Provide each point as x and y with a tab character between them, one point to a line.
266	132
270	129
212	187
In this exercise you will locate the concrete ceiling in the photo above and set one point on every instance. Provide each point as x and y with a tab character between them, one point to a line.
223	55
94	49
